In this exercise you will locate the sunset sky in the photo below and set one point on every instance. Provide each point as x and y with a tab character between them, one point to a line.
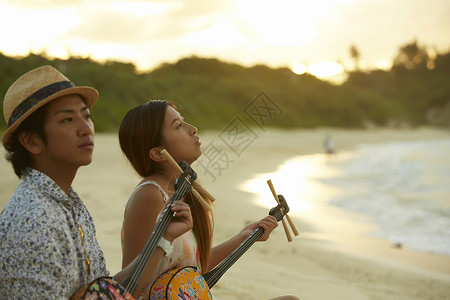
303	35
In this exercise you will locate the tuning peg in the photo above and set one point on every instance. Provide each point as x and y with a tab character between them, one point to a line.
286	230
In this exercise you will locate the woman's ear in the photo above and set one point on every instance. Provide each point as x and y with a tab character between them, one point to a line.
155	154
32	142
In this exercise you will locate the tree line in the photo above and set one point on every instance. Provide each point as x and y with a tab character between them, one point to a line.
211	93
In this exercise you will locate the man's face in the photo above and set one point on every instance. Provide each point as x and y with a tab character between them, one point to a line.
69	132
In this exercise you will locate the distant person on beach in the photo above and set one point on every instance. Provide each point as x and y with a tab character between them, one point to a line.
145	131
329	146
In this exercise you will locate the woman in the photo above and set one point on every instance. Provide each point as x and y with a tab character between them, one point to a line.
145	131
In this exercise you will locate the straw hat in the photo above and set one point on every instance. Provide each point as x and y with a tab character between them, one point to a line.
35	89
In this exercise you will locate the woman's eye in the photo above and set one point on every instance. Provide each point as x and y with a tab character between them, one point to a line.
179	125
66	120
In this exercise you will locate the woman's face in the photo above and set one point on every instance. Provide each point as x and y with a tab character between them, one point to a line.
180	138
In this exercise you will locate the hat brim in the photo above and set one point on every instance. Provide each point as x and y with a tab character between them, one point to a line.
89	94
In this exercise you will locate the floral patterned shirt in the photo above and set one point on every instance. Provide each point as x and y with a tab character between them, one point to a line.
41	254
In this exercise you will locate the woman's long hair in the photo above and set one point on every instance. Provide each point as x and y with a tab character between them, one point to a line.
142	129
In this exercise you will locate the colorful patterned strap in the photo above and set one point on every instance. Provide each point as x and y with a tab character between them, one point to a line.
104	288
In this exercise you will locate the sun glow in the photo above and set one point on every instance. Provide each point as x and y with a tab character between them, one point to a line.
285	23
325	70
299	69
330	71
40	36
276	23
144	8
297	181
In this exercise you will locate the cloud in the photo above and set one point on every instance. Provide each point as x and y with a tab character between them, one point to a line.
45	4
111	27
103	22
285	32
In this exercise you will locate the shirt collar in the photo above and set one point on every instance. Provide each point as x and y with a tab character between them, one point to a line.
48	186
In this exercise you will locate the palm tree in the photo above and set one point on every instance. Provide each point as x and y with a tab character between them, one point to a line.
354	53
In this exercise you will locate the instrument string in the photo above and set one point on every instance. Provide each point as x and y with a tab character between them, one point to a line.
214	275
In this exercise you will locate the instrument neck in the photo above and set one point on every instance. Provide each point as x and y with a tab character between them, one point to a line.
214	275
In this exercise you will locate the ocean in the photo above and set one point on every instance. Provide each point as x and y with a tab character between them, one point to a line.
400	191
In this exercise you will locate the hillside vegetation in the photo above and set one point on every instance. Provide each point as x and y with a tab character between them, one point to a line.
211	93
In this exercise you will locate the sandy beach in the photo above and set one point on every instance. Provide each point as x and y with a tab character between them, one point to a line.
316	265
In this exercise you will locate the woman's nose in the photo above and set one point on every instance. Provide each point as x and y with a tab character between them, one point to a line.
195	129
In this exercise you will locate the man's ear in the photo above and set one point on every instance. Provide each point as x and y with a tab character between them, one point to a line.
32	142
155	154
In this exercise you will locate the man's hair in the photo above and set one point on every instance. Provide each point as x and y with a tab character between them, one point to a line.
17	154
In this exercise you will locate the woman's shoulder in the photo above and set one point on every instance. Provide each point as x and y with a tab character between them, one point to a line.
146	195
147	185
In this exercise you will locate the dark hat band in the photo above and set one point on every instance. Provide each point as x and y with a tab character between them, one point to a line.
37	97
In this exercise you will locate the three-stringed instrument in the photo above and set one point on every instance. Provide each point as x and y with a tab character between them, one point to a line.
177	283
182	186
128	285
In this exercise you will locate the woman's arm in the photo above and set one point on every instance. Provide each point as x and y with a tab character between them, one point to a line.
140	220
221	251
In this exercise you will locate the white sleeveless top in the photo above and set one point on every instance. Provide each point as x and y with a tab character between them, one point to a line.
185	249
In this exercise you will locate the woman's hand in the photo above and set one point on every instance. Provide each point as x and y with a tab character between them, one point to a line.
181	221
268	223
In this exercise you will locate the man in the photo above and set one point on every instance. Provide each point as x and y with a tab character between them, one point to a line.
48	247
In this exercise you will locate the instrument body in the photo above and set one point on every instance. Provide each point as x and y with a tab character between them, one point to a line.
181	283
